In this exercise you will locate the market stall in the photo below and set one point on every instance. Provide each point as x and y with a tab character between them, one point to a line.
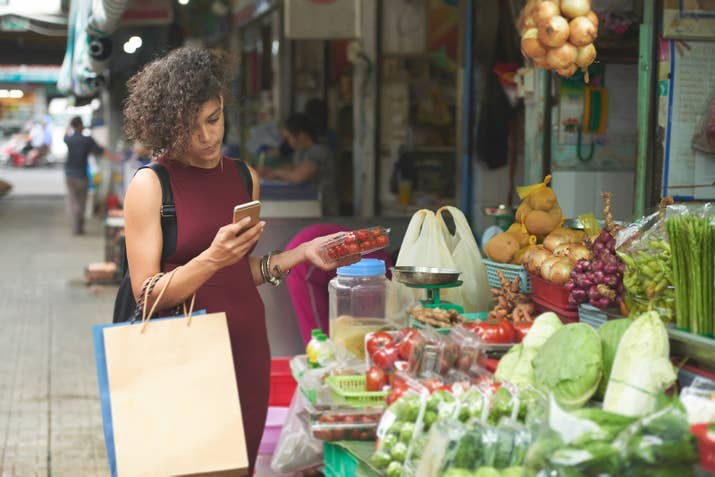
590	355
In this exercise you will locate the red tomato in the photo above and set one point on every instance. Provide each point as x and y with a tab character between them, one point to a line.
333	252
376	231
394	396
362	235
375	378
495	331
521	328
432	384
349	238
353	248
399	384
381	240
385	357
379	340
409	337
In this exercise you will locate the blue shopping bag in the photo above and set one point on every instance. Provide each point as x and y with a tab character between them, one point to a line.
103	380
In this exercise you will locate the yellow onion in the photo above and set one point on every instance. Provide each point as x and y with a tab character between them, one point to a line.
575	8
581	31
560	271
585	55
562	57
593	17
544	11
555	32
556	238
540	61
562	250
547	265
530	44
579	252
568	71
526	25
535	257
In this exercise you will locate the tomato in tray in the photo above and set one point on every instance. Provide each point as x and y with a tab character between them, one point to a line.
375	379
356	242
491	331
378	341
385	358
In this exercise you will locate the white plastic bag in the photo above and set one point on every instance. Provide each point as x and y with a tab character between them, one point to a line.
473	295
297	449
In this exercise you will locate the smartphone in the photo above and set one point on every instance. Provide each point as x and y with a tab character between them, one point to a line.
249	209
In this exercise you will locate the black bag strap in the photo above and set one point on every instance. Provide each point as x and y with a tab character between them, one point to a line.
247	178
168	211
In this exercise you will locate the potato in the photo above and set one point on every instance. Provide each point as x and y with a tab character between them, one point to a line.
522	212
522	238
539	222
519	256
542	199
502	248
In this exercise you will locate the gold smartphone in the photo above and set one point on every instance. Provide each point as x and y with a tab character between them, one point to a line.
249	209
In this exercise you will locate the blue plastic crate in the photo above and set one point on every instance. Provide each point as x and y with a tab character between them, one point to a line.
510	273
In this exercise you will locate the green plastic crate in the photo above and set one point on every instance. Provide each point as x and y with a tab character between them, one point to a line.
337	461
350	390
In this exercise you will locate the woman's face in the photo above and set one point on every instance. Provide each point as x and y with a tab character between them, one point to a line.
207	135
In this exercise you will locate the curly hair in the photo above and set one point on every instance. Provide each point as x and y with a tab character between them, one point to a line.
166	95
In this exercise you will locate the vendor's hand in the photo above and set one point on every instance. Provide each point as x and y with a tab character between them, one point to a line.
312	254
233	242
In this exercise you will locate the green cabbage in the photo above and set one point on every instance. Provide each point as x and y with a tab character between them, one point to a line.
610	333
641	369
569	365
517	365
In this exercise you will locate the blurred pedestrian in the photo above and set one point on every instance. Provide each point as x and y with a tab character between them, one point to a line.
79	147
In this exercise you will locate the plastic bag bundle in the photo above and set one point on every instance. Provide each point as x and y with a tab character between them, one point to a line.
445	240
297	449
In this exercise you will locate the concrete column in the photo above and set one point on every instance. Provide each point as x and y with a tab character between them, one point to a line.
365	102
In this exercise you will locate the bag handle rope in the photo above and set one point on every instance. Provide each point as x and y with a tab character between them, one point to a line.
152	282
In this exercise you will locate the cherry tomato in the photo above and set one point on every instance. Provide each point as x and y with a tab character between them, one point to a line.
333	253
495	331
379	340
394	396
353	248
376	231
349	238
521	328
385	357
362	235
381	240
375	378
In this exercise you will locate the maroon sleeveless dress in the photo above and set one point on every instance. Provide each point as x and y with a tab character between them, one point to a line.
204	201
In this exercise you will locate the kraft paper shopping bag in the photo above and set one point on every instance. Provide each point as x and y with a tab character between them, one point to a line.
104	399
173	400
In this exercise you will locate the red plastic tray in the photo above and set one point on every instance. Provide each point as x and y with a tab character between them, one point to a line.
554	295
282	383
567	316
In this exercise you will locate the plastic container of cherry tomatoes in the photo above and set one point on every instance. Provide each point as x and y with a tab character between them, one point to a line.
355	242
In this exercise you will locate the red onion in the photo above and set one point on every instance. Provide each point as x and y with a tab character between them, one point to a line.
593	293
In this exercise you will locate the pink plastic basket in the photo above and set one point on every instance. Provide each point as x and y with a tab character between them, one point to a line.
272	431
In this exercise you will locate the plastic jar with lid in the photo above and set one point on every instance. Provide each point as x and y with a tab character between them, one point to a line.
357	297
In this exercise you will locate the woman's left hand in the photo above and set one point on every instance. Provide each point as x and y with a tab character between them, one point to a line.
314	256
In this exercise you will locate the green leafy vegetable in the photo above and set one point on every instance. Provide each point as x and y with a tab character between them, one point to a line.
611	333
569	365
641	369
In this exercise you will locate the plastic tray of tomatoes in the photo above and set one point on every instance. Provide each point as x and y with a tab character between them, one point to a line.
344	424
355	242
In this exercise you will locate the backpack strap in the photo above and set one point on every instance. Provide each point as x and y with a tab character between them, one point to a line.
168	211
247	178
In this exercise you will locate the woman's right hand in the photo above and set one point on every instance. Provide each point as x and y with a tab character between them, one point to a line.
233	242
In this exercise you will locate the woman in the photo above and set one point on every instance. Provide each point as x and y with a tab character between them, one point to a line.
312	162
175	108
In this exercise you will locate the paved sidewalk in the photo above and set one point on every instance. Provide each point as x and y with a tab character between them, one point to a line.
50	423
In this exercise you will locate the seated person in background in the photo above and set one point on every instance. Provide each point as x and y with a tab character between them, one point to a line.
312	162
308	285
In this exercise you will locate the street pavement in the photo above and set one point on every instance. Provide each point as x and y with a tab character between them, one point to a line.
50	421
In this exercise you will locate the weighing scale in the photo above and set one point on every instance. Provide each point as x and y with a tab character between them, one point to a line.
433	296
